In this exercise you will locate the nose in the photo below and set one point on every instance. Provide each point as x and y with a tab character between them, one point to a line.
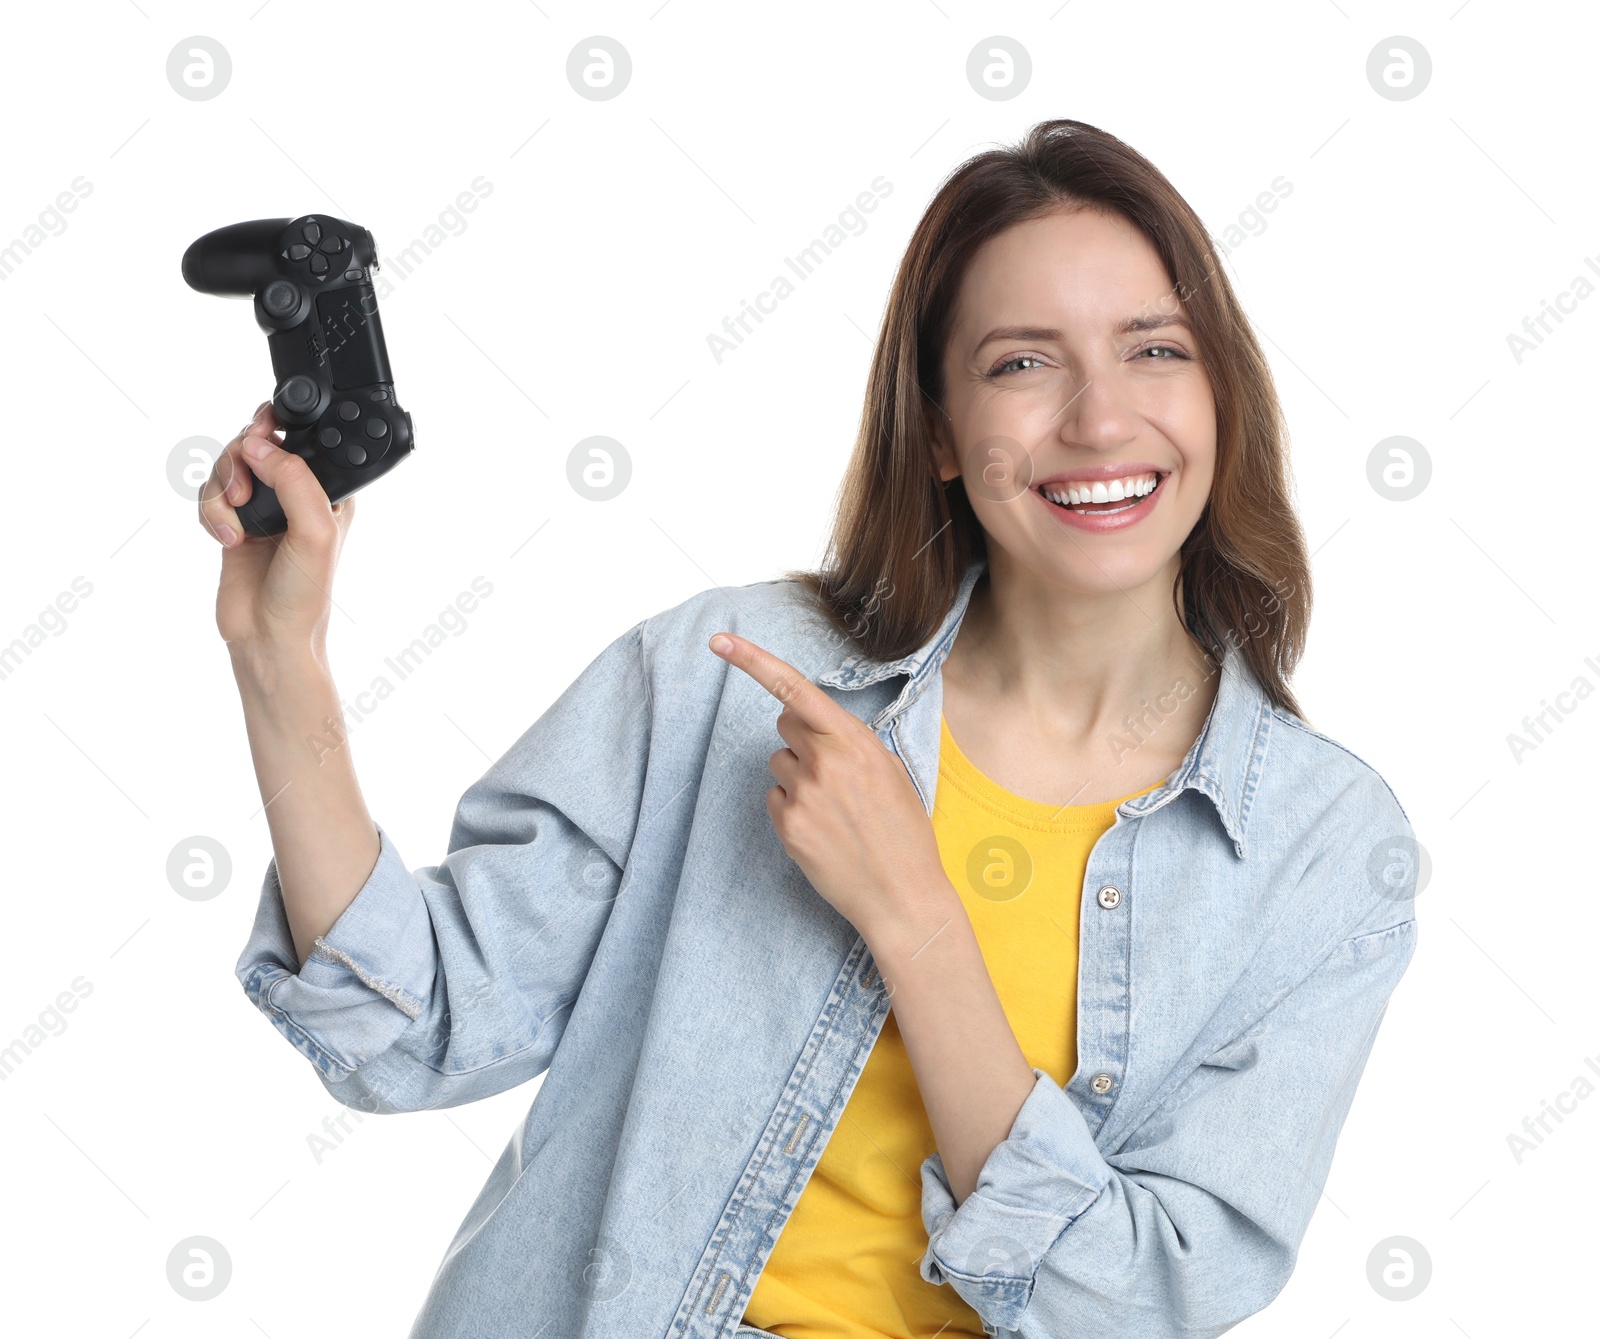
1096	415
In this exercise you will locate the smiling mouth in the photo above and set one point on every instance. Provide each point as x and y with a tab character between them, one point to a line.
1077	497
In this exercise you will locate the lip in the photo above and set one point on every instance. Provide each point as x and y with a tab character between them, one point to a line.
1103	523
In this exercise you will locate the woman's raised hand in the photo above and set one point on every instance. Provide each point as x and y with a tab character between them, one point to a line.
275	593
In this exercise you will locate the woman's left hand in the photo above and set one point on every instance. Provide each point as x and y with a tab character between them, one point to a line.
844	806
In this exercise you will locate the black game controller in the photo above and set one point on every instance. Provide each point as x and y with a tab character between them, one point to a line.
311	281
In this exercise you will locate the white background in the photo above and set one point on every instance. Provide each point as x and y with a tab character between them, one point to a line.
577	301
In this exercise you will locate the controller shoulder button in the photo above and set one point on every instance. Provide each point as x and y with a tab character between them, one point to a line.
319	264
330	437
349	410
311	233
376	428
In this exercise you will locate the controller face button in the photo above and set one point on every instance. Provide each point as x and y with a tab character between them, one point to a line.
299	394
358	455
332	245
349	410
311	233
319	265
377	428
280	298
329	437
299	251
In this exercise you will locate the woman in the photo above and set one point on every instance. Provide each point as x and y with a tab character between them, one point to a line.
1032	998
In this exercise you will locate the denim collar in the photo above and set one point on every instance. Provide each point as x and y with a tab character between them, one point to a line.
1223	764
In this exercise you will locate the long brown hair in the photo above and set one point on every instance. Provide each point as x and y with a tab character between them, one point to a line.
902	537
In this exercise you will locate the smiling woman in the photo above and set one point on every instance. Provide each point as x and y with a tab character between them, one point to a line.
1031	999
1070	423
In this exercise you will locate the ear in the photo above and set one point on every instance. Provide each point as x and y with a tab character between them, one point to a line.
944	453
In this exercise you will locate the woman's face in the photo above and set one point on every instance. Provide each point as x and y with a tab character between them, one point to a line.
1050	393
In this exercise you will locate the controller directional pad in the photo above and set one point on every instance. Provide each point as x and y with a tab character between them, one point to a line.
324	252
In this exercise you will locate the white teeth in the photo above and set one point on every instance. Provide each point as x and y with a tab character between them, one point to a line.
1113	490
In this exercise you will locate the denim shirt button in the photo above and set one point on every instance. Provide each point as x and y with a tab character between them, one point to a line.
1109	898
1101	1083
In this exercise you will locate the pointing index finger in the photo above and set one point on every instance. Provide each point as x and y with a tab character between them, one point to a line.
784	682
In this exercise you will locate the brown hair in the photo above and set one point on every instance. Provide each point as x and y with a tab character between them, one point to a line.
902	537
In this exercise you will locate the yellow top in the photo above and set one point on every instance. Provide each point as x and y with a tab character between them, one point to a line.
846	1263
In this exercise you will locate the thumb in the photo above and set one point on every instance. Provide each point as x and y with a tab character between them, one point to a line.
305	504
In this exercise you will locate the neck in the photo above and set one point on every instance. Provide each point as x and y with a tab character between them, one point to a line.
1077	663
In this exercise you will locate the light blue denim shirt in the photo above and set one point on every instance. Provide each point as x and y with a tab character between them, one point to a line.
616	913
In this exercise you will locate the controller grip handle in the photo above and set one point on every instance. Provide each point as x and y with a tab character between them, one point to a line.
262	513
236	261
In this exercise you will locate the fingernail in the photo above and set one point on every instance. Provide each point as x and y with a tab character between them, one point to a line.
225	534
259	408
721	645
257	448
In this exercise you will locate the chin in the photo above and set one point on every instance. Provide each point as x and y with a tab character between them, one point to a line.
1085	572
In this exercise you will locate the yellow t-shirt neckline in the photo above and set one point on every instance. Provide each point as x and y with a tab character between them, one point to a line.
959	770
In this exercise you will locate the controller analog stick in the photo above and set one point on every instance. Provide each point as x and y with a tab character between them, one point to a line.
280	298
298	395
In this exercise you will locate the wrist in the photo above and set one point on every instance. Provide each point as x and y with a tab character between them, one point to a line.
266	672
262	659
923	909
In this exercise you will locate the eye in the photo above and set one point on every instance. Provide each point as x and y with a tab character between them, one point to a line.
1000	369
1164	348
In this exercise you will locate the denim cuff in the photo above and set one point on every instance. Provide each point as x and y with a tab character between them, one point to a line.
1042	1176
364	982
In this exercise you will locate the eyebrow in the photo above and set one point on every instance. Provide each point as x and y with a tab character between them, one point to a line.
1134	325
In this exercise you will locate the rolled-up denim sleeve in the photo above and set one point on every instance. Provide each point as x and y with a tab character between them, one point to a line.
448	983
1193	1222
